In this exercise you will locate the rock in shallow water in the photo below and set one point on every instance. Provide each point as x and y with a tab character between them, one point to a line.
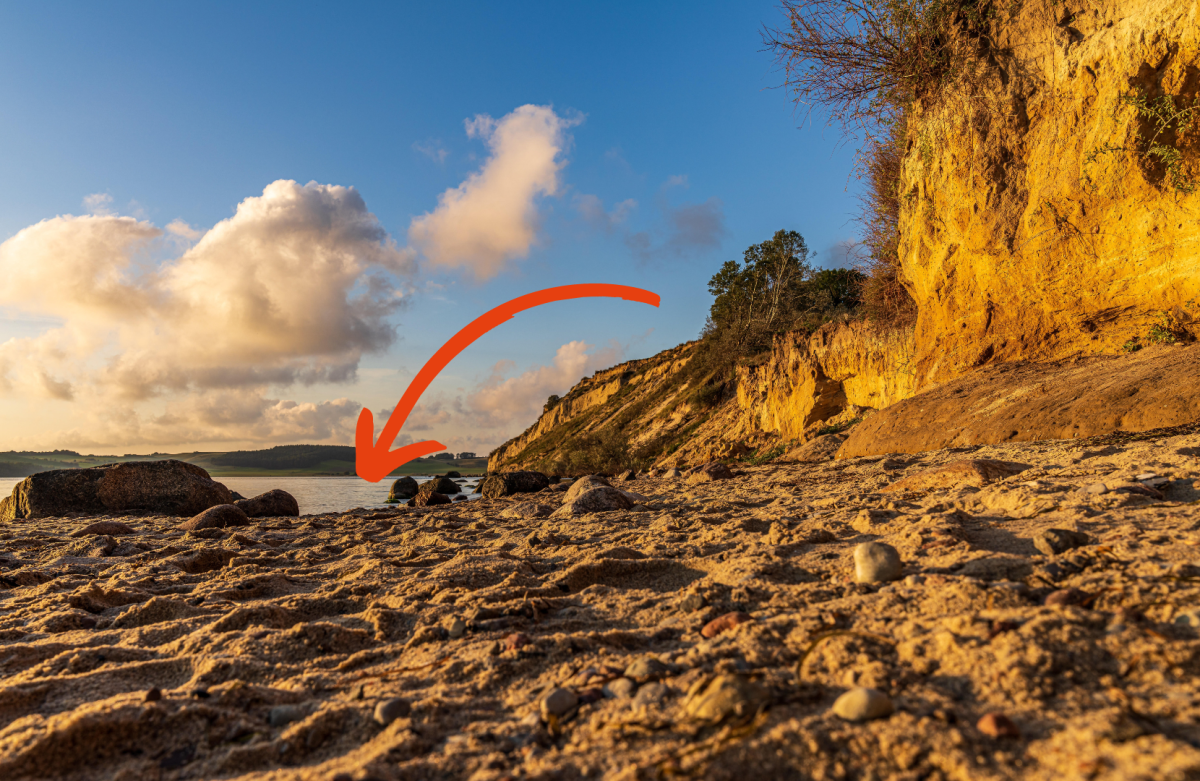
876	562
863	704
403	488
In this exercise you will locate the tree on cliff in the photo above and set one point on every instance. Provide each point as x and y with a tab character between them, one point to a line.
774	289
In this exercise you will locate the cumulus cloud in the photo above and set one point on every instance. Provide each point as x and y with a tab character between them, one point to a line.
295	287
593	212
491	218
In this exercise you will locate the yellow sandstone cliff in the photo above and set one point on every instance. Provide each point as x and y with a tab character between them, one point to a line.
1051	209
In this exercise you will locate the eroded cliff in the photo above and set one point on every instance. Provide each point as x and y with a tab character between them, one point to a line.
1050	210
1050	205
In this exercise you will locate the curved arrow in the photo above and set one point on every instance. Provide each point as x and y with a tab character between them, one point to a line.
375	460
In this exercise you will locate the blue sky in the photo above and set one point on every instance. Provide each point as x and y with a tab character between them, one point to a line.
166	112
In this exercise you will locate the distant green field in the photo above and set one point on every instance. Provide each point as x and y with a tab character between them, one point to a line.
22	464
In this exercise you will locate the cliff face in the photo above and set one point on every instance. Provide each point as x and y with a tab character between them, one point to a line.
805	381
1047	215
1051	209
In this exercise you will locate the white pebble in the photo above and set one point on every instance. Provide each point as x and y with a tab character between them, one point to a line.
876	562
863	704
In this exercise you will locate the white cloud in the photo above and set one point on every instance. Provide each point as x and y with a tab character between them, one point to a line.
491	218
181	229
501	406
98	203
295	287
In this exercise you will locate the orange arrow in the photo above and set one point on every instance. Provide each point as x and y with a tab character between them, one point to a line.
375	460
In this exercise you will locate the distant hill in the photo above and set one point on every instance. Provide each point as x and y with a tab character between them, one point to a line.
286	457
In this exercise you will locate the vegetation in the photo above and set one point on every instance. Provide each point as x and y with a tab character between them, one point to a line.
286	456
1161	120
864	65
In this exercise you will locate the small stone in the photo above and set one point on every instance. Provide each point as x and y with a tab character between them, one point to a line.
647	669
1055	541
456	628
620	689
1190	619
863	704
154	695
724	623
389	710
558	703
691	603
515	640
1096	488
282	715
109	528
1146	476
219	517
651	694
726	696
876	562
997	725
1066	596
590	695
913	581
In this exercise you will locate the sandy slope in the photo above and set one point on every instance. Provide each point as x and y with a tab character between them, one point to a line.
334	614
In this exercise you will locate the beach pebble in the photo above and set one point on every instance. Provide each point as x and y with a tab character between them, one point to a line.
726	696
691	603
863	704
997	725
154	695
651	694
876	562
647	668
558	702
515	640
456	628
1189	619
1055	541
1066	596
218	517
281	715
389	710
914	580
724	623
620	689
1096	488
110	528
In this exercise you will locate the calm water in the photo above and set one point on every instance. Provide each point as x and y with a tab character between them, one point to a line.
314	494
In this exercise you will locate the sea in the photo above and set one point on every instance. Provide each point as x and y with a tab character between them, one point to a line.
315	495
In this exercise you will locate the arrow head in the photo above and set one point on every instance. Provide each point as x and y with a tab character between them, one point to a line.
373	461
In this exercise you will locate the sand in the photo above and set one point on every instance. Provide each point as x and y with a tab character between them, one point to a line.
264	651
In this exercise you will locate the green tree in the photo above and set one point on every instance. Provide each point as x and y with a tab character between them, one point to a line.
760	296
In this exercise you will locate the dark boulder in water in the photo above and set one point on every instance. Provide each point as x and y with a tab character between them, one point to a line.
168	487
404	488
